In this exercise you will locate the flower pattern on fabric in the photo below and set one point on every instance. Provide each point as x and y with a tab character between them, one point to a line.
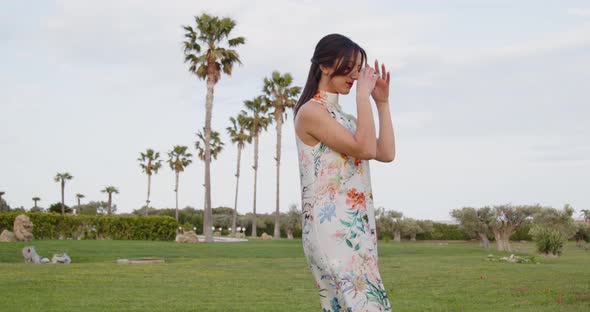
339	238
327	212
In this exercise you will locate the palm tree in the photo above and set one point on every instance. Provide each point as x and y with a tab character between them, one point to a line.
78	197
238	135
150	164
1	194
256	123
280	96
178	159
211	32
63	177
110	190
586	214
216	147
36	199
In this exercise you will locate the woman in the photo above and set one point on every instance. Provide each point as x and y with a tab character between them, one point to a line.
334	149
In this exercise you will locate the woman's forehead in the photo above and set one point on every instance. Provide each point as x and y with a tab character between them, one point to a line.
351	60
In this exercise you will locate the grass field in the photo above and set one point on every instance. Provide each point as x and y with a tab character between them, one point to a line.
273	276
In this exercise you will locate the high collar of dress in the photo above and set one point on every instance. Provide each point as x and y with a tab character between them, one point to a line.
329	99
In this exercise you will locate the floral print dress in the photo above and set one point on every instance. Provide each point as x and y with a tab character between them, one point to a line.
339	238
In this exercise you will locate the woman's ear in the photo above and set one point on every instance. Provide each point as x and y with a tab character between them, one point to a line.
325	69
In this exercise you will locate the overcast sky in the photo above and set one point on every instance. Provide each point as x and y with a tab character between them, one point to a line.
489	99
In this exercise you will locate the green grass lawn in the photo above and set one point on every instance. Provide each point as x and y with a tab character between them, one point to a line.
273	276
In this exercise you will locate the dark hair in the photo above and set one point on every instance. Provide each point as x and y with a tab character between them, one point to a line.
328	51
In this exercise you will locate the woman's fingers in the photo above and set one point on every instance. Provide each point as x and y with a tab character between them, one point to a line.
377	68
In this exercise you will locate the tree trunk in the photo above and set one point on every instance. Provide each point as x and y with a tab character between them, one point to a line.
110	201
79	208
289	233
413	237
506	238
253	234
485	242
63	186
235	214
277	234
397	236
207	220
147	201
499	241
176	191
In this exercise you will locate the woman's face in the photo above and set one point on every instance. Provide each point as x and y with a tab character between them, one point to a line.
343	83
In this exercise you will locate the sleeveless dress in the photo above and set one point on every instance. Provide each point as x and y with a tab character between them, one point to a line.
339	238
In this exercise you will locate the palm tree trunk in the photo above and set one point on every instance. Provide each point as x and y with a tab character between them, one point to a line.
209	110
110	201
235	215
176	191
78	205
63	186
255	167
147	201
277	234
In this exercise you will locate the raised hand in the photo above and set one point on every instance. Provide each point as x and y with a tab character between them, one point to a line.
380	92
366	81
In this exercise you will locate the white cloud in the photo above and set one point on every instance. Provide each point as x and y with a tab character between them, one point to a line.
583	12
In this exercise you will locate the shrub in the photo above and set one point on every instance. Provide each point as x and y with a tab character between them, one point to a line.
582	234
548	241
56	207
522	233
443	231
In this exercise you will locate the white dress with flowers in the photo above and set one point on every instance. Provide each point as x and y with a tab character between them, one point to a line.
339	238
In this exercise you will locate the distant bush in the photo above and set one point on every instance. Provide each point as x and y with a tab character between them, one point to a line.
522	234
548	241
56	207
54	226
443	231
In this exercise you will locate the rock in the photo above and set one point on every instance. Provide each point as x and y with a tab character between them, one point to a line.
187	237
61	258
7	236
23	228
265	236
31	255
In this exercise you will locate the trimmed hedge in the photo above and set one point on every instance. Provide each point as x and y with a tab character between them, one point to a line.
118	227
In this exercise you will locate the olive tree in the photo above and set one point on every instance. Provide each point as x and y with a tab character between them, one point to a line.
475	222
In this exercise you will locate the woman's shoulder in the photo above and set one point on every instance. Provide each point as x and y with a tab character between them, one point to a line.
312	109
